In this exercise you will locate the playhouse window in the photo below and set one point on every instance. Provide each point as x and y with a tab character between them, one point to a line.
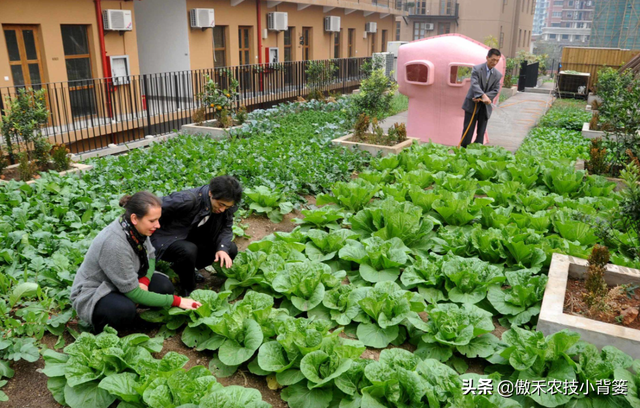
459	73
417	73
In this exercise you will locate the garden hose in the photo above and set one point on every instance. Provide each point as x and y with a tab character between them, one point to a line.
475	107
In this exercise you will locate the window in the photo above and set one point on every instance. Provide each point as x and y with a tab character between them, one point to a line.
417	73
306	43
579	25
419	30
444	28
350	45
571	3
397	31
458	74
288	50
24	55
557	14
78	63
520	38
552	36
569	16
565	36
558	3
220	46
336	44
243	45
446	7
421	7
373	43
383	45
76	52
555	24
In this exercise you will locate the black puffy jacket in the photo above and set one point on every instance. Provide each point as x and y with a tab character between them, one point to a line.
182	212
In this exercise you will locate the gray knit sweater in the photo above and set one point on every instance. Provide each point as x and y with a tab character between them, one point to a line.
110	265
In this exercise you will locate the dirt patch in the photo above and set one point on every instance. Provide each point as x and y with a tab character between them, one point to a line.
621	305
259	227
13	173
499	330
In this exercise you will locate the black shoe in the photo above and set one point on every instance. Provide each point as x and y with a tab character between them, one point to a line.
199	277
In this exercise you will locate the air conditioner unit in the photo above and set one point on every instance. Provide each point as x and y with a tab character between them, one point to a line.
370	27
202	18
117	20
332	24
430	27
277	21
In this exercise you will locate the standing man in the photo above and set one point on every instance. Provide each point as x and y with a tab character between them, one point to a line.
485	85
196	229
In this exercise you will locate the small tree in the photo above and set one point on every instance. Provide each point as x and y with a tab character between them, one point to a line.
630	204
319	75
22	122
376	94
221	101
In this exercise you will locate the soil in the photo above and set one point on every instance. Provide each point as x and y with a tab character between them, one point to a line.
218	125
14	174
622	305
374	139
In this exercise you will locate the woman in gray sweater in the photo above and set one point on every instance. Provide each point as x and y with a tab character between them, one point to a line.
118	270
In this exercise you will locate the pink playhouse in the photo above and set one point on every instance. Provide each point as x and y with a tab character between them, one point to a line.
435	73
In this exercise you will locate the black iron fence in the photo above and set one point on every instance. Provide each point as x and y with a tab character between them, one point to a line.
91	114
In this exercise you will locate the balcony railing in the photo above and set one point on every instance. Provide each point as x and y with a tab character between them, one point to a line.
90	114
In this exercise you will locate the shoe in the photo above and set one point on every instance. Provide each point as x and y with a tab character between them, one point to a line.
199	277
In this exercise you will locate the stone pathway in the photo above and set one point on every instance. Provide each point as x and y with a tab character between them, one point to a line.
510	122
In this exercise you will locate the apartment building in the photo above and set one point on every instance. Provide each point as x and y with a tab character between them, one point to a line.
509	21
44	41
569	22
616	23
540	16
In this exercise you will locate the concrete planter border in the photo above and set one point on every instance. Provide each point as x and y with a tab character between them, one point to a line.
553	319
212	132
591	134
371	148
74	168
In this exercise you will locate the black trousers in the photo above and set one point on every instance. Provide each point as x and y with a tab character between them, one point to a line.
119	312
480	120
187	256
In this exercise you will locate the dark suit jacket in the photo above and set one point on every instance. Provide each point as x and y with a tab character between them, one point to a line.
182	212
480	86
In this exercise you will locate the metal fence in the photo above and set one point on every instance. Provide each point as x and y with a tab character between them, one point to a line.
90	114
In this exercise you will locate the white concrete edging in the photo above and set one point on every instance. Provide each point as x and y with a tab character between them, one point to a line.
125	147
212	132
591	134
371	148
552	318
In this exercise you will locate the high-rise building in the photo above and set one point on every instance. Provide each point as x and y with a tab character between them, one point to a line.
540	16
510	22
616	24
569	22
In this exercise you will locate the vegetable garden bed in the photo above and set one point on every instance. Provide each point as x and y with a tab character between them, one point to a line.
553	319
73	169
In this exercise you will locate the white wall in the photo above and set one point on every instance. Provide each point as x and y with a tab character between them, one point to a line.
163	35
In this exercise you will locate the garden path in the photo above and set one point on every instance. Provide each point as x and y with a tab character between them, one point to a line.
510	122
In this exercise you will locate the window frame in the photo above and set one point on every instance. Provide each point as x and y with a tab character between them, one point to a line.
218	48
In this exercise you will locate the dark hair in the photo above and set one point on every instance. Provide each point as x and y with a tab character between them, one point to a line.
492	52
139	203
225	188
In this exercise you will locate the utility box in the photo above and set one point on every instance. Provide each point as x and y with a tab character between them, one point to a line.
384	60
332	24
435	74
371	27
202	18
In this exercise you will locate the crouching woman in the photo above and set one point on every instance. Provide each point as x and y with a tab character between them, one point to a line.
118	270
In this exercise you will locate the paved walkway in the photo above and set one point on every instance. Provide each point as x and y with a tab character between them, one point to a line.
510	122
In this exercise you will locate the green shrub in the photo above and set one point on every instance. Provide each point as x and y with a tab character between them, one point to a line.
571	118
376	94
319	75
22	120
